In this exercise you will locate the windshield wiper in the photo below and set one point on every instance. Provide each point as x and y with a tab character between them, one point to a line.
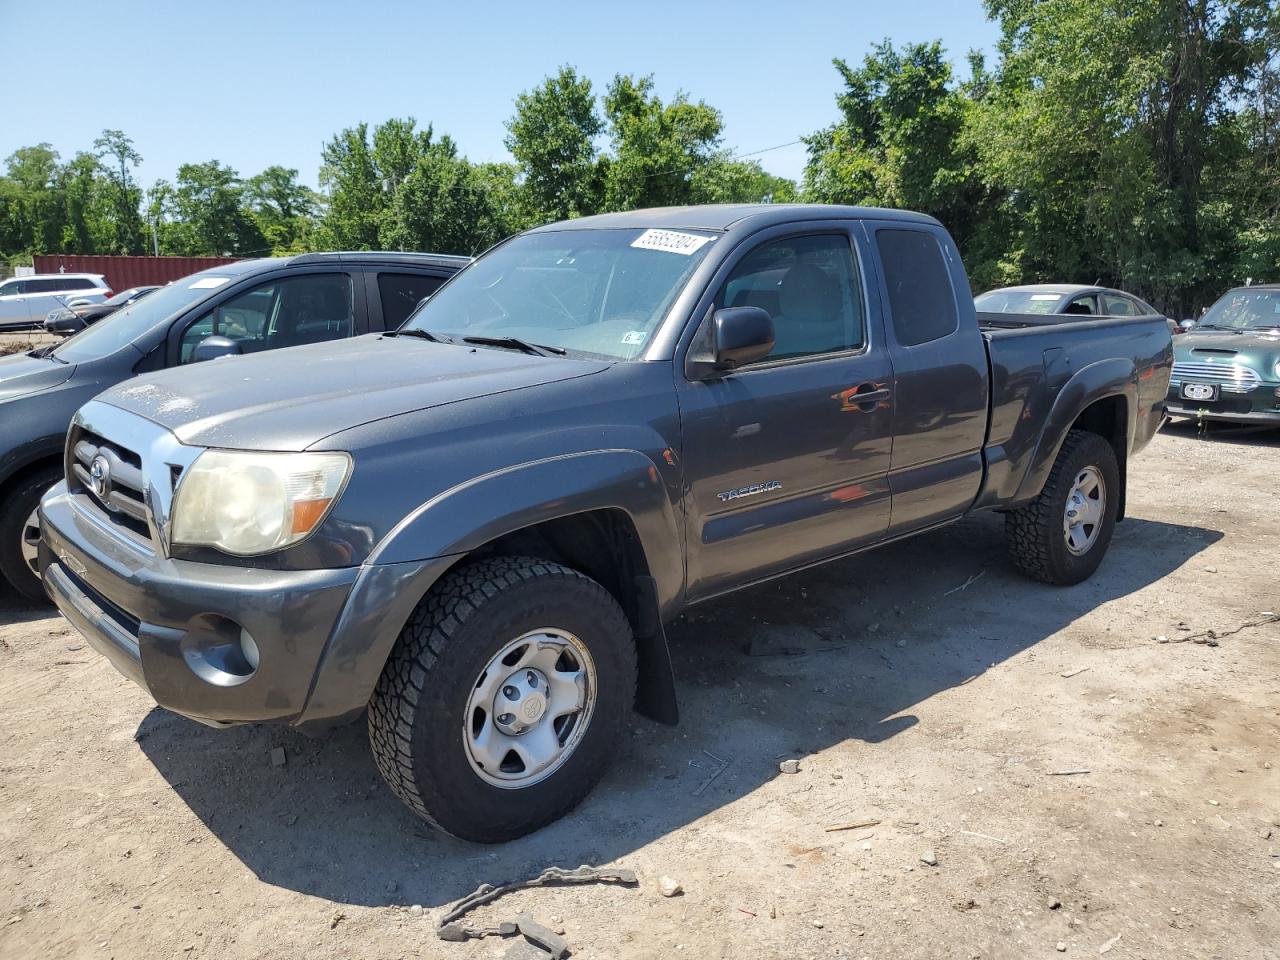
538	350
420	334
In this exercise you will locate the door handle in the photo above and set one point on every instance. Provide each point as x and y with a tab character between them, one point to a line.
863	398
871	396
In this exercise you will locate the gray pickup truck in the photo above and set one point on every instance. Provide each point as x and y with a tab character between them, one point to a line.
475	527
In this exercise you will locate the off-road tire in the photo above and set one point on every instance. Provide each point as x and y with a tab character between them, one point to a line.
416	715
1034	533
18	503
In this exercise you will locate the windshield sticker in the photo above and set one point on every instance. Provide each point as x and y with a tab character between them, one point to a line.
1046	296
670	241
208	283
634	337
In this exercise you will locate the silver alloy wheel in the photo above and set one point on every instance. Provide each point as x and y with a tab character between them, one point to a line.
1086	505
530	708
31	542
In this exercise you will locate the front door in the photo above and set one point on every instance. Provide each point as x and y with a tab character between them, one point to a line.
786	461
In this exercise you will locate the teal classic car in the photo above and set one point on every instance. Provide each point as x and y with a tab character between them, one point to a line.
1227	367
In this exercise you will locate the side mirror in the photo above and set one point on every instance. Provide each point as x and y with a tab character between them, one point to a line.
739	336
211	348
1186	325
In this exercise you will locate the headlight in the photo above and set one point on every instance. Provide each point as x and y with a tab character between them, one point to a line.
1276	370
247	503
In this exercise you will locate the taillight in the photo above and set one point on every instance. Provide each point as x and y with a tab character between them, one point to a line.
107	294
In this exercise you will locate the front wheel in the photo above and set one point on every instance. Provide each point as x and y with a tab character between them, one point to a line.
1061	536
20	533
505	697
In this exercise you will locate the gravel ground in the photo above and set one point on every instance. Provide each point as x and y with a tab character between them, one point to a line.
925	687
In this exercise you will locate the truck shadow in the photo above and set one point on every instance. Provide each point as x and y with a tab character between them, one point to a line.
835	657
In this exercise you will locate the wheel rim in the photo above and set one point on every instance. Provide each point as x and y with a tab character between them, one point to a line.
529	708
1086	505
30	545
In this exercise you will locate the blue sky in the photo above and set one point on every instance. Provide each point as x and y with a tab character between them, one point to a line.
257	83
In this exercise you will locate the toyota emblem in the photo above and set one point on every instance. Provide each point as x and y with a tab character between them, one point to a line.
100	478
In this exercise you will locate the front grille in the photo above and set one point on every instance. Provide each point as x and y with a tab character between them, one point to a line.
1231	377
125	499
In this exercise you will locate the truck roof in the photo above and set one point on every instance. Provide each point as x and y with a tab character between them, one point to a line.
724	216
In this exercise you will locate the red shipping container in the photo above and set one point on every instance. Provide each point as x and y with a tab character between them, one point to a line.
125	272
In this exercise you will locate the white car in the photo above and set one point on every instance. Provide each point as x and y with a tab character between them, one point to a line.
25	301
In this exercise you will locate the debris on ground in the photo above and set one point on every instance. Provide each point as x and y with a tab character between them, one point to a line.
929	857
670	888
1068	773
278	758
1211	637
1055	904
984	836
1061	947
551	943
968	583
724	765
856	825
1106	947
1073	673
337	918
789	766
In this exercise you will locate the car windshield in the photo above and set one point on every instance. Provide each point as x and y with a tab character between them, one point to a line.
128	323
1017	301
598	293
1245	310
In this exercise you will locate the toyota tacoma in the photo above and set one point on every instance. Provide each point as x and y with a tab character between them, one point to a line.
473	529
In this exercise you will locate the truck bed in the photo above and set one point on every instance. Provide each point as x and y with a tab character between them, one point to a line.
1033	358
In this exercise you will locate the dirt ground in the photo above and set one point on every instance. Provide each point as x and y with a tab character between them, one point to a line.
941	711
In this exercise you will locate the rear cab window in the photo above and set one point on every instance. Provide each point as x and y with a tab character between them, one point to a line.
921	299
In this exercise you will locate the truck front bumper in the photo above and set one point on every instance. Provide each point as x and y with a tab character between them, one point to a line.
226	644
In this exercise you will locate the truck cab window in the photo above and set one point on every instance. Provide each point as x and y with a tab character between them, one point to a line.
810	287
921	298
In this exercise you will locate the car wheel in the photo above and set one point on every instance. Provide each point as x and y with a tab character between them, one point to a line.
20	533
505	698
1063	534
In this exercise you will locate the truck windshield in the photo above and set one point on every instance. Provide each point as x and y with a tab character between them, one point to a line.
128	323
598	293
1245	310
1017	301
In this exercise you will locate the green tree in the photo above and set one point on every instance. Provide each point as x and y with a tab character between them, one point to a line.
356	196
209	201
283	209
553	139
33	209
658	149
88	225
900	141
723	179
125	222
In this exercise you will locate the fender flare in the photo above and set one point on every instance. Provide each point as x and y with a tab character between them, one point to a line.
521	496
431	539
1116	377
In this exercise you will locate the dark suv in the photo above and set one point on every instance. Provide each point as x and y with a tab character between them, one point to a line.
246	307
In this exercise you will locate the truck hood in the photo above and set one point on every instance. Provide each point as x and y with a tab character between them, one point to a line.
21	374
1258	349
291	399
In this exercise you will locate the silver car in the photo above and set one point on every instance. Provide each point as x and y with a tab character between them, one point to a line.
25	301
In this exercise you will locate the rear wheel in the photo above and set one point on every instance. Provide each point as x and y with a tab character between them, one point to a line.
1062	535
20	532
504	700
